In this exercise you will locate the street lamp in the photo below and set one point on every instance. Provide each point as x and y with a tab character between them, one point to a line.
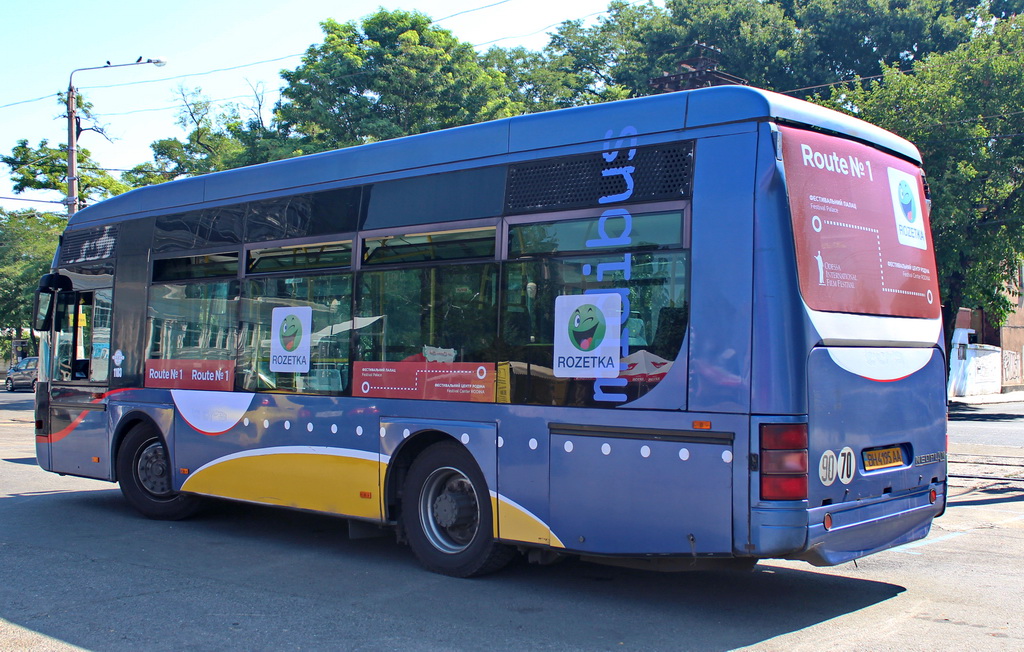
72	199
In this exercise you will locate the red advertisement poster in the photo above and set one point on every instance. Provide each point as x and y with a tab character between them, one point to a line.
191	374
863	241
436	381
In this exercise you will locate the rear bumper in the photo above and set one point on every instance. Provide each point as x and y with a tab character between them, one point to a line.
858	528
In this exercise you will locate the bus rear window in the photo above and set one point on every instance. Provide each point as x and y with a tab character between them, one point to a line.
860	222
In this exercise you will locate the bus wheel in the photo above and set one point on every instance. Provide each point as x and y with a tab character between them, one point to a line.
446	514
144	473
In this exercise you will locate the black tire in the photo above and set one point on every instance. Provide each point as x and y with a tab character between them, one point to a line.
145	475
9	385
447	515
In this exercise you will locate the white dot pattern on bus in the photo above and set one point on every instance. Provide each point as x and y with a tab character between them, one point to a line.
245	421
266	423
645	451
383	432
359	431
405	433
501	442
287	425
334	428
465	438
533	444
309	427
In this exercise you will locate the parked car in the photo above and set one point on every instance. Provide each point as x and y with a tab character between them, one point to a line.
22	374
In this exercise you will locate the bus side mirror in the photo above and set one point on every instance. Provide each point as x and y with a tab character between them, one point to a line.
42	305
42	310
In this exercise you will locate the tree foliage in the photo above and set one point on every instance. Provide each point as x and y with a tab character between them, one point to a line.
27	242
210	145
963	110
46	168
394	75
775	44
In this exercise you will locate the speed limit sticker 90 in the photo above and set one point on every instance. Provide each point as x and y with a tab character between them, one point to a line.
842	466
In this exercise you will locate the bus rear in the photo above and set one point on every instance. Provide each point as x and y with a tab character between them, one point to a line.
853	460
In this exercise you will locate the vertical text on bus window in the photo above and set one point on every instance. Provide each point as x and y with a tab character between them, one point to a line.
613	153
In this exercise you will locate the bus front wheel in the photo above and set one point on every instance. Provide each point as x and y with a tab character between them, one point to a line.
447	516
144	474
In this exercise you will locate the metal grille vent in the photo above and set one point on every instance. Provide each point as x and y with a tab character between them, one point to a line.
88	245
660	172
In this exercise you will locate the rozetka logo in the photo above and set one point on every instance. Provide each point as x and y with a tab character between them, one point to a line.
587	327
291	333
906	197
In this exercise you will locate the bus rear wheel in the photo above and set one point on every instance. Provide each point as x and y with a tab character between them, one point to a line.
144	474
447	515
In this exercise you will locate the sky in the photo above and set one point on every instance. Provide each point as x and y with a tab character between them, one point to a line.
224	47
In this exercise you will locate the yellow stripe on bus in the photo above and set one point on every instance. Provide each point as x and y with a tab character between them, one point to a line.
517	524
335	484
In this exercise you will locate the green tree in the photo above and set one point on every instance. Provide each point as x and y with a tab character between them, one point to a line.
394	75
844	38
46	168
758	41
211	144
963	110
28	240
775	44
612	59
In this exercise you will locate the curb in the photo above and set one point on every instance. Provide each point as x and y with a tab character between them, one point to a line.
983	399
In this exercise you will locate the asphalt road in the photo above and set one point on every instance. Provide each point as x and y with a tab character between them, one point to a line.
995	424
82	571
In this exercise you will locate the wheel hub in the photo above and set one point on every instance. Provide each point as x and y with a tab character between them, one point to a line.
153	470
448	510
454	509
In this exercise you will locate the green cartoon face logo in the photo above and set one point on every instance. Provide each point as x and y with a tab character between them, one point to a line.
906	201
586	327
291	332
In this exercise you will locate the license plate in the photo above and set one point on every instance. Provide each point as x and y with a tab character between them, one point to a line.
883	458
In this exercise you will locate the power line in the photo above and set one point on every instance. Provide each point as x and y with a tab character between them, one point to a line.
175	107
193	74
38	99
567	20
469	11
22	199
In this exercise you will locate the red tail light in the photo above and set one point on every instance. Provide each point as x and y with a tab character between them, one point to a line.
783	436
783	461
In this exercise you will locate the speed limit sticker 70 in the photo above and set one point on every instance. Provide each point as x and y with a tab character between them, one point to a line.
842	466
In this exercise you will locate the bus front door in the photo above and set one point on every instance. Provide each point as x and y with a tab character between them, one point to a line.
78	434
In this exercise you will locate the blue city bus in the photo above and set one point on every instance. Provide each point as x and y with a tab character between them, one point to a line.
692	329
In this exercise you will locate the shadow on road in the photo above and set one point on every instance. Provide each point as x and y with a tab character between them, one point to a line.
996	493
966	412
82	568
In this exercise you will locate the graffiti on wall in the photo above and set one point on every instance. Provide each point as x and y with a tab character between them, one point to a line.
1011	368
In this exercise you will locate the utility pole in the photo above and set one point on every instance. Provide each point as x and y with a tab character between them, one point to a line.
72	200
